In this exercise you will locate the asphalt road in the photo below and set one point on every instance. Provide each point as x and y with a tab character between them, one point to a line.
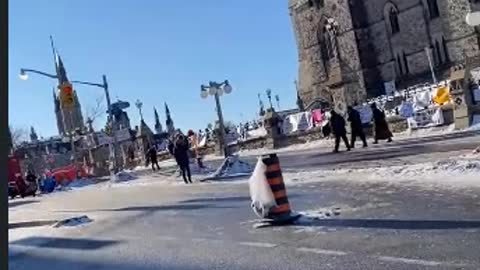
210	226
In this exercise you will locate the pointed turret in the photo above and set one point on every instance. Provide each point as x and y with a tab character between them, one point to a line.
33	135
158	126
169	121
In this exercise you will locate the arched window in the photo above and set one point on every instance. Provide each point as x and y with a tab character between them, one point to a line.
326	44
433	9
445	50
393	18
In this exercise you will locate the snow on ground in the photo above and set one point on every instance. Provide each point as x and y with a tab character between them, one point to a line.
461	171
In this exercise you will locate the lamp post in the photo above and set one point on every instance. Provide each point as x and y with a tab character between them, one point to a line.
24	76
277	99
269	96
429	57
217	89
139	106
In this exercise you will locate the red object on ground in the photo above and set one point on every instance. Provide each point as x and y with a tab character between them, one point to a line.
68	173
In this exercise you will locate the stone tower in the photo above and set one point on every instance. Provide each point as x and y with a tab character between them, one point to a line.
68	120
329	66
348	50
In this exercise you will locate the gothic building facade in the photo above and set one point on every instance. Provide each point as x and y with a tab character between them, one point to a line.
349	49
68	120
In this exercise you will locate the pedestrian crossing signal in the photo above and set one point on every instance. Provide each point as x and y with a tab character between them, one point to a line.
66	96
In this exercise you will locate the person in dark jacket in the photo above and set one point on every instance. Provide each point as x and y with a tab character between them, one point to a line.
356	127
382	131
337	124
152	156
180	152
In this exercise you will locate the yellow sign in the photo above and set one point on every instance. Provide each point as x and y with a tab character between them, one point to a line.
66	96
442	95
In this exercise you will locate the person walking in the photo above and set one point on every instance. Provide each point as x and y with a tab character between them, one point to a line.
356	127
337	124
152	155
382	131
180	152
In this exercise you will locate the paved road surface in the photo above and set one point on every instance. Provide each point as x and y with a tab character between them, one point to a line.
210	226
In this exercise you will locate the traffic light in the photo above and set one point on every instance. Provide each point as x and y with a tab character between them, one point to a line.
66	96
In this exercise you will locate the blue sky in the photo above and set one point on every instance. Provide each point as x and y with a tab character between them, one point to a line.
153	50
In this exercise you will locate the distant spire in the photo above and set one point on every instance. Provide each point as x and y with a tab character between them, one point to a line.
158	126
61	72
169	121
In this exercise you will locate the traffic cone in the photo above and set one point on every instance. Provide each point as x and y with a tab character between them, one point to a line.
282	212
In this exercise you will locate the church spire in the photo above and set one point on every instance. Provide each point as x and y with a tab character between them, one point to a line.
158	126
169	121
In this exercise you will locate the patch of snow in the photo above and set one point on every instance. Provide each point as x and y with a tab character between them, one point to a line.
232	167
124	176
462	171
72	222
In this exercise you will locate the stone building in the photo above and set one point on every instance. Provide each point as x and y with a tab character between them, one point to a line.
348	50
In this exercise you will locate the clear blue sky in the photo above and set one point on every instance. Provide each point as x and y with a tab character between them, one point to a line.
153	50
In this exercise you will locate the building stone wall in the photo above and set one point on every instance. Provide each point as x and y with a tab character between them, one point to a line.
370	52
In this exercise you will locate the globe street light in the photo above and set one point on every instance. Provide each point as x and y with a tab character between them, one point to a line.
217	89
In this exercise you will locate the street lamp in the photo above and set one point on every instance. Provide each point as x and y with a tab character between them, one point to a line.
24	76
269	96
217	89
139	105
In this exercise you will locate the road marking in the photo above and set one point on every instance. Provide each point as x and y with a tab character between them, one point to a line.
207	240
322	251
409	261
257	244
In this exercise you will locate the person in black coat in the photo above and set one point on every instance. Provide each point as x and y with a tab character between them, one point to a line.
152	156
356	127
337	124
382	131
180	153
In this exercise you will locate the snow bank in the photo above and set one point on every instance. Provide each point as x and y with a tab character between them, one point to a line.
463	171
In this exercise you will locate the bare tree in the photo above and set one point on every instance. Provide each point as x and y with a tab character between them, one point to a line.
18	135
96	111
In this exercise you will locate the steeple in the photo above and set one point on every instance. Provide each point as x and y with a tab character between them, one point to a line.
61	72
158	126
169	121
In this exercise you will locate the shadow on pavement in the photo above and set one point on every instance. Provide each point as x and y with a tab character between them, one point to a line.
28	224
394	224
12	204
30	261
223	199
64	243
153	208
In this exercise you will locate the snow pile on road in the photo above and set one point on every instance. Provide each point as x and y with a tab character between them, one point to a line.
123	176
72	222
232	167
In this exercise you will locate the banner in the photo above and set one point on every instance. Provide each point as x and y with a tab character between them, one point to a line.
426	118
297	122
